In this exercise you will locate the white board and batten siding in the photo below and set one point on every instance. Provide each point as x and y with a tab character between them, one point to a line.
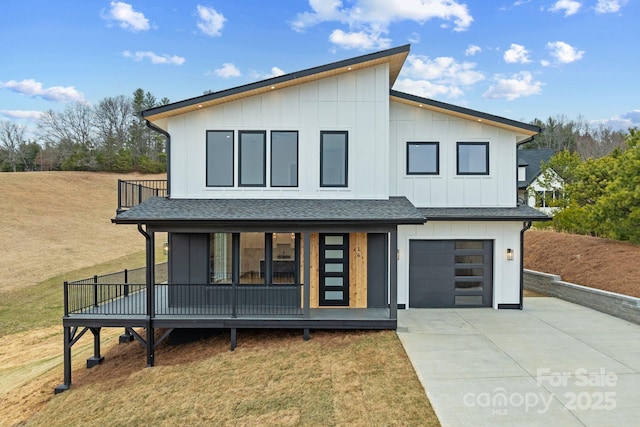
505	235
414	124
357	102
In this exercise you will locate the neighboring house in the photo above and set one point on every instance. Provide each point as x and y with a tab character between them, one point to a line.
322	199
535	188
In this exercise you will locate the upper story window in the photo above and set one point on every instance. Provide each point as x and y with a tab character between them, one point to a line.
334	148
219	158
423	158
473	158
284	159
252	153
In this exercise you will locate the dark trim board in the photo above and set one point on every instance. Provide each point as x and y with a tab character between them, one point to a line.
321	318
509	306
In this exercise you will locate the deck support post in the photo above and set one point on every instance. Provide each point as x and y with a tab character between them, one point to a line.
393	275
67	362
234	338
305	334
96	359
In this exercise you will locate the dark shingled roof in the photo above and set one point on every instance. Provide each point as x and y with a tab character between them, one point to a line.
395	210
532	159
519	213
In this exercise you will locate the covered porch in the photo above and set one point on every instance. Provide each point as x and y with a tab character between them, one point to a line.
341	272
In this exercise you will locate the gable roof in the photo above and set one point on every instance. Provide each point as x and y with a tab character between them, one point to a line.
465	113
532	159
394	56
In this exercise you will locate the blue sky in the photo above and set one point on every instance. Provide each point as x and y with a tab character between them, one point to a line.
521	59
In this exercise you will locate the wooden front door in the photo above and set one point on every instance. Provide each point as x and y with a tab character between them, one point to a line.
334	270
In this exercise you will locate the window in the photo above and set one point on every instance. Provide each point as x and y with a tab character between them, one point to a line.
252	167
219	158
423	158
473	158
221	258
252	256
548	199
333	159
284	159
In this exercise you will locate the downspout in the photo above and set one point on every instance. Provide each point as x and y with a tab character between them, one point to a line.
150	279
526	226
168	150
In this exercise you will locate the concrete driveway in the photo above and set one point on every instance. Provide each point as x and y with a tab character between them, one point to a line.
552	364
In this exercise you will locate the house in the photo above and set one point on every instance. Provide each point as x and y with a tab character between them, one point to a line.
535	188
321	199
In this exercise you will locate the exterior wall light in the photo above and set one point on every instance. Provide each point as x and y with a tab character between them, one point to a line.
510	254
165	248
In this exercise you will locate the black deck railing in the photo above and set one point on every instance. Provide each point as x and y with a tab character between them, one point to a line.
134	192
98	291
124	294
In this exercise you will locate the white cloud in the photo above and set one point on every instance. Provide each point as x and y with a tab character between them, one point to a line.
513	87
516	54
359	40
570	7
211	22
126	17
414	38
275	72
368	19
442	76
621	122
609	6
154	58
227	70
22	114
564	52
472	50
30	87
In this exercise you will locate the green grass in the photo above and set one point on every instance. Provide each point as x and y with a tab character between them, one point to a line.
41	305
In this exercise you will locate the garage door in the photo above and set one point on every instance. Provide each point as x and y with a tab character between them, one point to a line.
450	273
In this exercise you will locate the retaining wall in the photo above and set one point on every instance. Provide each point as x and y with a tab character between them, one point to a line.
622	306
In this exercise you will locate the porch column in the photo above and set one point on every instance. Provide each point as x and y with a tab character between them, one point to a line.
306	309
393	274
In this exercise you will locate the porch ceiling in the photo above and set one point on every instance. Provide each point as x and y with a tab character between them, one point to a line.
395	210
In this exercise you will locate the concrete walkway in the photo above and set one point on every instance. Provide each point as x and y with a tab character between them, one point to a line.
552	364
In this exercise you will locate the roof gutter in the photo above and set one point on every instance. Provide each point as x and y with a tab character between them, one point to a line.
167	149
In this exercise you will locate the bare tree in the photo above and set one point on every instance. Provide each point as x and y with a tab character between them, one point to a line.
114	117
12	138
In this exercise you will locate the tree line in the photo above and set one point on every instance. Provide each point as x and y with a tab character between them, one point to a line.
109	136
601	194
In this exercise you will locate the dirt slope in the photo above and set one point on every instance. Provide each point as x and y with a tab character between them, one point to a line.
589	261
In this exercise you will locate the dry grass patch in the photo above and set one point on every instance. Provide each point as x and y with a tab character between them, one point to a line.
598	263
54	222
273	378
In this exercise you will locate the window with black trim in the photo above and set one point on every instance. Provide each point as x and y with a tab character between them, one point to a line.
472	158
334	159
284	158
423	158
219	158
253	160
